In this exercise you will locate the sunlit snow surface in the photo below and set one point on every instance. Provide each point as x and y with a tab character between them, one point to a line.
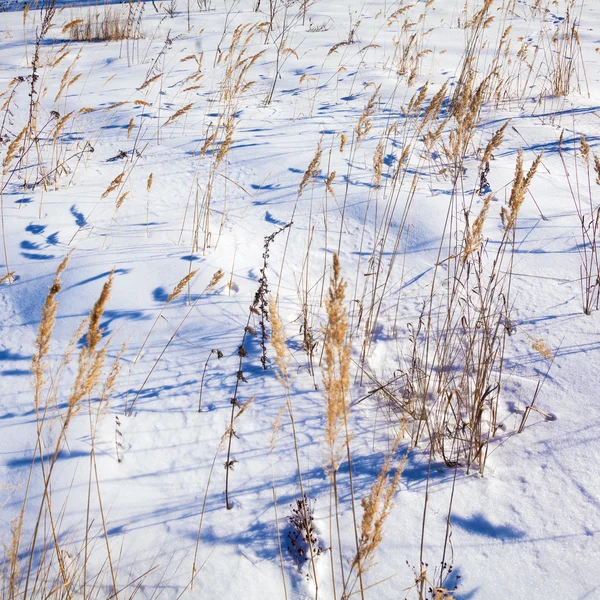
527	529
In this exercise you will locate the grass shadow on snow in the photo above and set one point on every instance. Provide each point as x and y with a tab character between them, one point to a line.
481	525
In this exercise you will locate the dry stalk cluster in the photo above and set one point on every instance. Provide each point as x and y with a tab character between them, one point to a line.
366	533
301	532
259	308
218	135
409	42
588	214
43	559
106	24
451	389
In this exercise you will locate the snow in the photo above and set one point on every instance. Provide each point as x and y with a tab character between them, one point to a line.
527	528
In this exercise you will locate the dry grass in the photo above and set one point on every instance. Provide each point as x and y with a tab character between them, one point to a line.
446	390
41	561
377	507
109	24
367	535
336	373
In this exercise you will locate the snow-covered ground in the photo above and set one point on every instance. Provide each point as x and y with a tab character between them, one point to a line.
124	176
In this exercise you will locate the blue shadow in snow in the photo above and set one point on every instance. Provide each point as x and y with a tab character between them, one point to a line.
25	461
99	276
266	186
8	355
27	245
35	229
79	218
416	471
269	218
37	256
116	530
481	525
15	372
159	294
113	315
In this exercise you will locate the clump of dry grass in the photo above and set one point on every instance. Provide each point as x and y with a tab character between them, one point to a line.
282	361
219	133
110	24
566	59
450	391
39	558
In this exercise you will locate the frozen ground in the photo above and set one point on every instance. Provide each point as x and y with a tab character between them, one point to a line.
530	526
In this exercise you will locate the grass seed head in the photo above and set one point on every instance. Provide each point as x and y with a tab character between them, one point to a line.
475	233
180	286
312	170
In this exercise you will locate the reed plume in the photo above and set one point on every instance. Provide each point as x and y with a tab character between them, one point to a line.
378	164
376	509
45	329
474	234
329	183
278	341
336	376
364	124
597	168
519	189
312	170
585	149
179	287
494	143
114	184
179	113
91	358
